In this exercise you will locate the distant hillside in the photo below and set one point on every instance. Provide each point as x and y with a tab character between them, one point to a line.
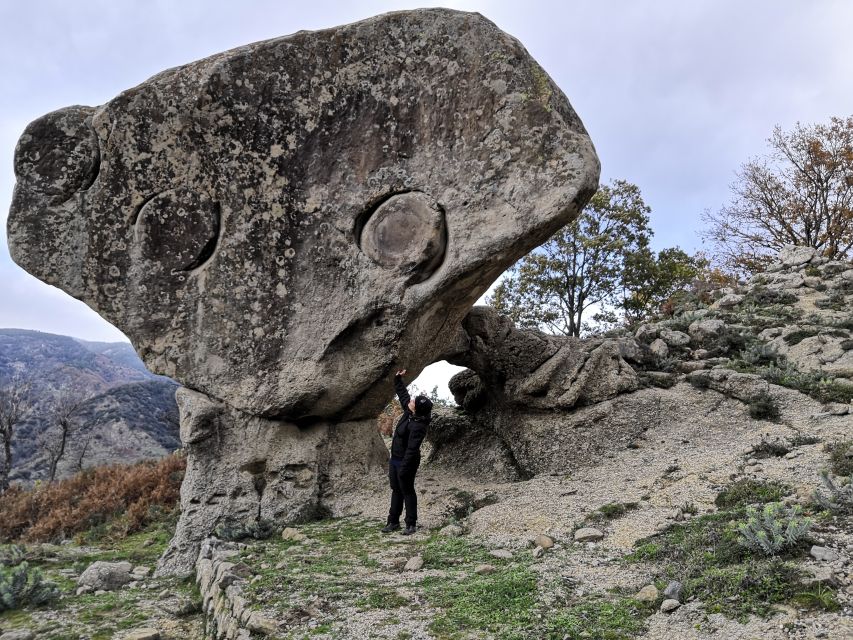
127	413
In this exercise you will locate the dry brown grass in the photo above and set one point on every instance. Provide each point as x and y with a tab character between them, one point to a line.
388	418
133	494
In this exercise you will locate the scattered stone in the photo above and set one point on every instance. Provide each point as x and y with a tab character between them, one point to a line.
546	542
453	530
728	301
143	634
290	533
501	553
659	348
673	591
669	605
588	534
795	255
649	593
823	554
414	564
261	624
18	634
106	576
485	569
675	338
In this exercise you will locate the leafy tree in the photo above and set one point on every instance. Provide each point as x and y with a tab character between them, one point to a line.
602	258
15	406
800	192
649	280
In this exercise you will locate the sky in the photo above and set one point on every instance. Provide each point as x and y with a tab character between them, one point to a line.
675	95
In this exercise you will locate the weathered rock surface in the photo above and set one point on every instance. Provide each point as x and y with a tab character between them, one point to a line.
378	175
281	226
107	576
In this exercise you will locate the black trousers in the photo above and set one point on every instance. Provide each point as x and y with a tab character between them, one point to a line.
402	492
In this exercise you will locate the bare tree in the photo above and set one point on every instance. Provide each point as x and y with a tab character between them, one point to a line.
800	193
55	441
15	406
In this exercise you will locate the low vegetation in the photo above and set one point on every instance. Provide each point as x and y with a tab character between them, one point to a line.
115	500
738	561
750	492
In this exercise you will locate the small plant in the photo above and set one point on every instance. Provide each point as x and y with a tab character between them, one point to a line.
770	449
689	507
841	457
773	529
759	354
818	597
802	439
612	510
747	492
23	585
764	407
839	498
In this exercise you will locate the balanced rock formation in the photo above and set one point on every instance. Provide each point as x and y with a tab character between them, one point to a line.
532	403
280	226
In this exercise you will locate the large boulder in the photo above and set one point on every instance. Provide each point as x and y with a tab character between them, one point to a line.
281	226
378	176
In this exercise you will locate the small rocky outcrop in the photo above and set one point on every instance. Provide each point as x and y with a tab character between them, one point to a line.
533	403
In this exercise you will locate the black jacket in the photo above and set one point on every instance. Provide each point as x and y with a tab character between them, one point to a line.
409	432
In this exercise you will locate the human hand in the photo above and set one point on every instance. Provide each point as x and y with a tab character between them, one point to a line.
401	372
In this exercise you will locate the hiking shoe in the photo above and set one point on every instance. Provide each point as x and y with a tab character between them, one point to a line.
410	529
388	528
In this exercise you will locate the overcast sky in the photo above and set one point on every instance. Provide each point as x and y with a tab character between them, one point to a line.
675	94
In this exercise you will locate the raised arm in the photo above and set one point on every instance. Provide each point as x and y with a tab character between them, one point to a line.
402	391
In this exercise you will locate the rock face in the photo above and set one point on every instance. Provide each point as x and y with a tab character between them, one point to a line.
282	225
532	403
378	176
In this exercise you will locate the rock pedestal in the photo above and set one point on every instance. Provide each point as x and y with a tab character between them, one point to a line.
281	226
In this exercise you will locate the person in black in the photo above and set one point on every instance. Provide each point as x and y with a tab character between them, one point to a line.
406	456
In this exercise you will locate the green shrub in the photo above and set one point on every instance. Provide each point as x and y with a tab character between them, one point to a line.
774	528
746	492
839	497
22	585
763	407
841	457
770	449
762	296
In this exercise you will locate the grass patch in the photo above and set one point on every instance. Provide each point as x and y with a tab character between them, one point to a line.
502	603
747	492
611	511
619	620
